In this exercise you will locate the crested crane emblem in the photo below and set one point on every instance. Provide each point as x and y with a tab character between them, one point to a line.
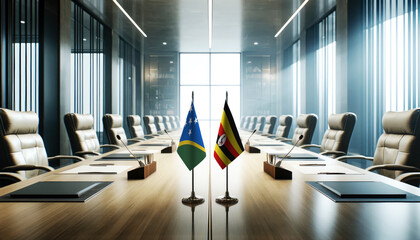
222	140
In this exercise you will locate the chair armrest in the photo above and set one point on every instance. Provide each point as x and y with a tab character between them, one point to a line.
10	177
336	153
394	167
59	157
407	177
284	139
110	146
343	158
310	145
17	168
83	153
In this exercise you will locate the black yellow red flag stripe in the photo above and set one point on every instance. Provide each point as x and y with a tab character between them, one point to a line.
228	144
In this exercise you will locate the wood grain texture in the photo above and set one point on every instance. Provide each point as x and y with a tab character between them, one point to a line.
152	208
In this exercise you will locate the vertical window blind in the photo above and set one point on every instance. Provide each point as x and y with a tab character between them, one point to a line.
87	66
325	70
23	55
392	60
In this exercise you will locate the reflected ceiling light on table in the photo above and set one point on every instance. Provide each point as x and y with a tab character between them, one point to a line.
255	43
291	18
164	43
210	8
22	22
129	18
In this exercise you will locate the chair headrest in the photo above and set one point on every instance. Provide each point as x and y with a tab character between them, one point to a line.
148	119
405	122
339	121
285	120
260	119
158	119
82	121
305	120
135	119
114	120
270	120
15	122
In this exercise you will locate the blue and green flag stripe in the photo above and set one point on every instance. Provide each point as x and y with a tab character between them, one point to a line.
191	147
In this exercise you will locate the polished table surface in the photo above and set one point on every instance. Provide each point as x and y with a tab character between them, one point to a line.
152	208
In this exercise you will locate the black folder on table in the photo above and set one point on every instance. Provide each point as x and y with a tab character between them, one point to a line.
367	189
124	156
72	191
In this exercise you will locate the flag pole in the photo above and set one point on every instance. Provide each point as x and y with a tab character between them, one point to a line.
193	199
227	200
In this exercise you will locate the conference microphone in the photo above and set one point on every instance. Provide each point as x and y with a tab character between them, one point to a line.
142	164
285	156
251	136
166	131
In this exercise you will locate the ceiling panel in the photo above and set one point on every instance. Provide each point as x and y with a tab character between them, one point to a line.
183	24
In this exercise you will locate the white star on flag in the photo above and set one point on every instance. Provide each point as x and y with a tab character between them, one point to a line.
189	133
190	120
196	120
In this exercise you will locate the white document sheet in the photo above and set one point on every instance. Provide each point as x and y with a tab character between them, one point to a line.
106	169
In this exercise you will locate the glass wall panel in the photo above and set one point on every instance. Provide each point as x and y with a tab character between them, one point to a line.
87	66
161	85
23	55
223	74
129	71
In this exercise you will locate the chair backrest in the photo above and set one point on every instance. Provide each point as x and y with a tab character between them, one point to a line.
149	124
270	123
337	137
113	126
167	123
134	126
306	124
177	122
20	142
285	122
81	134
242	121
173	122
399	144
159	123
247	122
260	123
253	123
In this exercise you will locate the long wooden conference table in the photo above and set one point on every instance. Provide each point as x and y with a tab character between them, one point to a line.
152	208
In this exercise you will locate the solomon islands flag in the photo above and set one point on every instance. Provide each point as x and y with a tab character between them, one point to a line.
228	144
191	146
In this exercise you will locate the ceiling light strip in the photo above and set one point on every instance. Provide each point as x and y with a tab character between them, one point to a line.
210	22
129	18
291	18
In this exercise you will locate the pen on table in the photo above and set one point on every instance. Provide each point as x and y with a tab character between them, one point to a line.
331	173
312	164
97	173
101	164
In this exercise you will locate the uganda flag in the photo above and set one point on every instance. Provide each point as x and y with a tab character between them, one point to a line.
191	146
228	144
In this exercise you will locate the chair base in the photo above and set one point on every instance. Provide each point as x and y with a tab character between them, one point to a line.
142	172
277	172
